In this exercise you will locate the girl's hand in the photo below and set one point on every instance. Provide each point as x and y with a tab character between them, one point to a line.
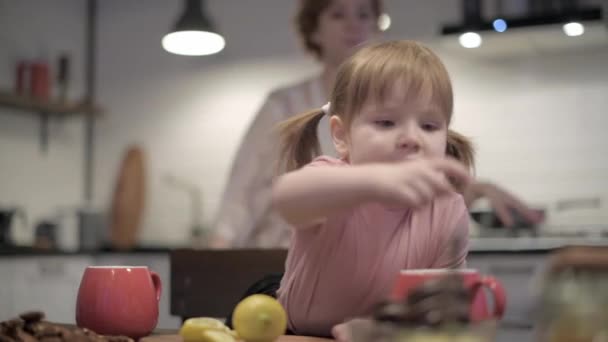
416	183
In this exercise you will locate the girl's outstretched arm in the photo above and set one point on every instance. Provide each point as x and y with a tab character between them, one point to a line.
312	193
309	194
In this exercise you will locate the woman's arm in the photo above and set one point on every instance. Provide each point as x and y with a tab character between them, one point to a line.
246	197
501	201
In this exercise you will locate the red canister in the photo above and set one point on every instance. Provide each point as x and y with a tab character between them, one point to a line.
40	86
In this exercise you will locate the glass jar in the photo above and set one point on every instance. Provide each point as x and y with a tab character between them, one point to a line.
574	298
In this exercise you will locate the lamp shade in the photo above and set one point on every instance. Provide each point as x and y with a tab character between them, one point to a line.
193	33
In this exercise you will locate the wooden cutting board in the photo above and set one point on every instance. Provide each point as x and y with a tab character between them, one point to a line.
284	338
128	200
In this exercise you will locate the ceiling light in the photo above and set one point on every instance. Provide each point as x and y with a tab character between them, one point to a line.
384	22
193	33
500	25
574	29
470	40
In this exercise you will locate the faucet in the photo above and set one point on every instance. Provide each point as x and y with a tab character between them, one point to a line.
197	228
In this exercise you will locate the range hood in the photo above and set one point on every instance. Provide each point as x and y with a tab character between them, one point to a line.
535	27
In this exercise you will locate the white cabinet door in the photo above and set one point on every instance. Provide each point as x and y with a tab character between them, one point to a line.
49	284
6	288
158	263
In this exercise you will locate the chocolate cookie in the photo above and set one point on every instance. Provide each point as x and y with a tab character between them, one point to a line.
30	327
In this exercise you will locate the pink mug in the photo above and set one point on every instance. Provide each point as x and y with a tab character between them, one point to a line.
410	279
118	300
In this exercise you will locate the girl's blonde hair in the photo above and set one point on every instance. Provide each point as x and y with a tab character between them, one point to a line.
373	71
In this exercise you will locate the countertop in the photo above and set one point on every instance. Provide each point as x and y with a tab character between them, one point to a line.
477	245
530	244
32	251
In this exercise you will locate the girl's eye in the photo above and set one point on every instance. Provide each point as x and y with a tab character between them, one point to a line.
384	123
430	127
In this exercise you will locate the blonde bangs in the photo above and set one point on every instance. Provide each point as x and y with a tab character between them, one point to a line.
374	70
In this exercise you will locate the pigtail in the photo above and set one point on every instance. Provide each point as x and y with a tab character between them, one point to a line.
299	141
460	148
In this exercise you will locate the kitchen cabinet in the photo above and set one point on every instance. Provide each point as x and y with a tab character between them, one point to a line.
7	270
49	283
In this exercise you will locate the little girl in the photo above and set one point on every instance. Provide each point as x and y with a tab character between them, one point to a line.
389	202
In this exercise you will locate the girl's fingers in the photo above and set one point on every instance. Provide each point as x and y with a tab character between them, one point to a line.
424	189
439	182
453	169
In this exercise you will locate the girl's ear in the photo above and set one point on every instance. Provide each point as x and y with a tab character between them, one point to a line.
339	135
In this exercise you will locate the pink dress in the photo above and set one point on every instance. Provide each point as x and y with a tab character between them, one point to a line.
342	268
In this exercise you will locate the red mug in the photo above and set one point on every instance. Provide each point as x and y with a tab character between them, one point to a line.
410	279
118	300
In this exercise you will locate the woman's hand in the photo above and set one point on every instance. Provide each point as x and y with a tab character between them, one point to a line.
416	183
217	241
502	202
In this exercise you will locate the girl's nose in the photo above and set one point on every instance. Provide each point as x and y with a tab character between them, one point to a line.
409	139
409	142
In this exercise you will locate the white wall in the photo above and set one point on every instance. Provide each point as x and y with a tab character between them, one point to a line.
537	121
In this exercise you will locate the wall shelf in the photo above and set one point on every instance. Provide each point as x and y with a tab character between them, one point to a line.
52	108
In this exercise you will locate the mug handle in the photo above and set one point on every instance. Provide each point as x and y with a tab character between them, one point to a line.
158	287
498	293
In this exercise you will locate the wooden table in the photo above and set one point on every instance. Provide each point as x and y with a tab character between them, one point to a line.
284	338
